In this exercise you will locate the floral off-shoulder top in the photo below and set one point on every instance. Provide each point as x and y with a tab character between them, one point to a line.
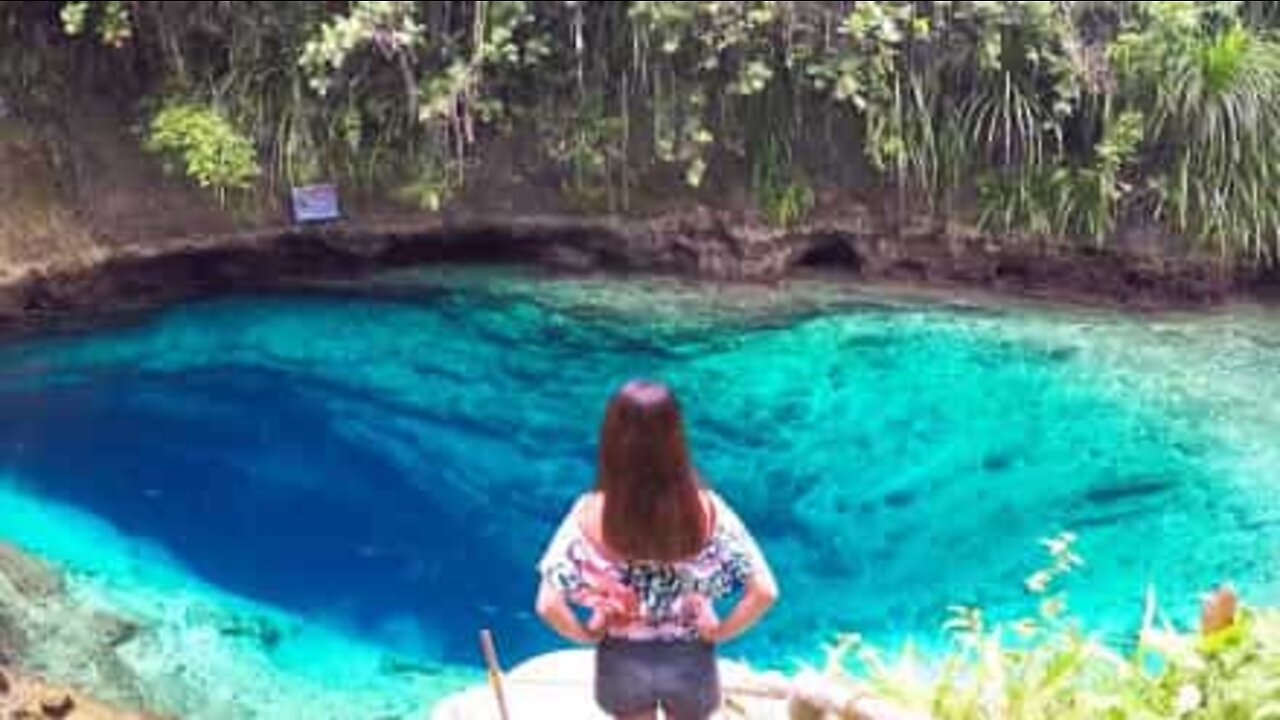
664	600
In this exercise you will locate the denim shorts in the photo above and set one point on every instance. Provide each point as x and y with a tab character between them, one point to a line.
636	676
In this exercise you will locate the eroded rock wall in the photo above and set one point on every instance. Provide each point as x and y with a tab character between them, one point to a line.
88	223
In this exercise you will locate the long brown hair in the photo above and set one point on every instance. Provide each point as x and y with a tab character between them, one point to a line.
652	494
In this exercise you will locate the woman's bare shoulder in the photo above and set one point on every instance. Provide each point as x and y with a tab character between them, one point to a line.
590	511
713	500
589	502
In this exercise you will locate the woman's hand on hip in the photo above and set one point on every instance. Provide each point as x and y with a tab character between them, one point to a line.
709	630
600	623
705	619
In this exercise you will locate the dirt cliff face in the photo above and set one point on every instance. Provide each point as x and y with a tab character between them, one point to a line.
88	224
36	221
73	190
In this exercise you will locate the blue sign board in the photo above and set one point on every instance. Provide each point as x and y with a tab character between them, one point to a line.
315	203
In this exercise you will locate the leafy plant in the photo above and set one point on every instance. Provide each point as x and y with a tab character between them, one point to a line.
1094	198
782	194
1024	202
1081	201
788	204
1213	84
1046	667
447	95
113	22
589	146
430	188
207	147
1008	121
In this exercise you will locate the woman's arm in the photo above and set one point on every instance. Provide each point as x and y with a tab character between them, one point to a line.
555	611
760	595
760	591
558	572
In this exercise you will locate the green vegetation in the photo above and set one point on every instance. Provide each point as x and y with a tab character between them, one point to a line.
210	150
1046	667
1038	120
782	194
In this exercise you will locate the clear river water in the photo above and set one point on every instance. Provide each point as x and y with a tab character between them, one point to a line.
315	499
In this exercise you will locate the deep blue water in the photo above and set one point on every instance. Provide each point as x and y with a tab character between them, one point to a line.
237	472
389	459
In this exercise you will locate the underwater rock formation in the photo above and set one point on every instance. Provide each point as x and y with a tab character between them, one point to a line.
43	631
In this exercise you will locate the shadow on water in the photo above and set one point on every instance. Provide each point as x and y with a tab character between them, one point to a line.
240	476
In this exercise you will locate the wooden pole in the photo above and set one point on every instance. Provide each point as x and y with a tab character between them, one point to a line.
495	672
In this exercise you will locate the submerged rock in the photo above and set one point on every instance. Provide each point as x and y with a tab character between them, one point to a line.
261	630
28	577
43	630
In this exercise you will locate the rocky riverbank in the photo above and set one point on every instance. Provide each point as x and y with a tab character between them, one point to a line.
88	225
702	244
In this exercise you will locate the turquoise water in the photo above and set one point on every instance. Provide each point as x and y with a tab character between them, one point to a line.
369	471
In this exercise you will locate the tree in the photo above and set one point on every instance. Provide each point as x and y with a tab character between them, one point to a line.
1070	118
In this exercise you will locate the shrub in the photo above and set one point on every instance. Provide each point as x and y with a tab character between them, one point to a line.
1046	668
208	148
782	194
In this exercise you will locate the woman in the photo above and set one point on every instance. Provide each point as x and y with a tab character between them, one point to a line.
647	553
